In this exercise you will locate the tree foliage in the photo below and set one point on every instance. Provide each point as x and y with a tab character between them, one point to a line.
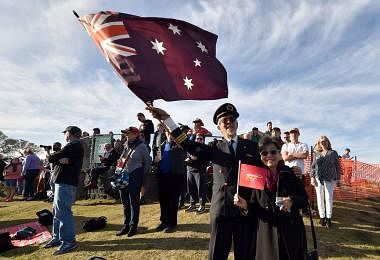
14	147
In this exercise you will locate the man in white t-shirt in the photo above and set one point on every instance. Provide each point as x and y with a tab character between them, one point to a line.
294	152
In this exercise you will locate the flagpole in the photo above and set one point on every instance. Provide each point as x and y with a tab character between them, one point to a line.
75	13
149	104
238	180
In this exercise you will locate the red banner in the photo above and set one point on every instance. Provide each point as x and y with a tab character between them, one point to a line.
252	176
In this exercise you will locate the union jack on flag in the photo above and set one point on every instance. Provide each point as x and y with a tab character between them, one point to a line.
105	33
159	58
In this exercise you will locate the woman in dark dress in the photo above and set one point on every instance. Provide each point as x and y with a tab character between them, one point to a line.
281	231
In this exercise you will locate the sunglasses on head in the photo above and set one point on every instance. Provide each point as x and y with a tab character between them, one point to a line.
272	152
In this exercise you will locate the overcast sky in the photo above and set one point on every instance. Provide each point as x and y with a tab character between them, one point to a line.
314	65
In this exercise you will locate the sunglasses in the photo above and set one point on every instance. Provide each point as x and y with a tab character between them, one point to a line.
271	152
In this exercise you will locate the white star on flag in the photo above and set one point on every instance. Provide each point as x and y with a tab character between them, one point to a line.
197	62
188	83
202	47
174	29
158	46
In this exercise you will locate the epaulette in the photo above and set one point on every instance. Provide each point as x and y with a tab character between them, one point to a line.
182	137
179	136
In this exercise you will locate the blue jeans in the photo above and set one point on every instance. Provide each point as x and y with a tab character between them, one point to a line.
130	198
63	221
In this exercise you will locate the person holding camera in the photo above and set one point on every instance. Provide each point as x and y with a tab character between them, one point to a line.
57	146
281	232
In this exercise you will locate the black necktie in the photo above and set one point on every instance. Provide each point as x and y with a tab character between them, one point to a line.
231	147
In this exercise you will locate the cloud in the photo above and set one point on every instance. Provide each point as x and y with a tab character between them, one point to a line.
310	64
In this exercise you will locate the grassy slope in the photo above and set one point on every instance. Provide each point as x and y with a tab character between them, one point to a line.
355	234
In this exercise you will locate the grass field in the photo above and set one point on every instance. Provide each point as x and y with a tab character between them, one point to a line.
355	233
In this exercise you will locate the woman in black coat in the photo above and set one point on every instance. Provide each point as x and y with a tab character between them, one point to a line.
281	231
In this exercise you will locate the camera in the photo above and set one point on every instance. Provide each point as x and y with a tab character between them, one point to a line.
46	147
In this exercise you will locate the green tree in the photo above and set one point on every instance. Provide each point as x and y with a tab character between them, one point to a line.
13	147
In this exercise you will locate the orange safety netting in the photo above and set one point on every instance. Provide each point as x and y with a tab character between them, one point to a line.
358	180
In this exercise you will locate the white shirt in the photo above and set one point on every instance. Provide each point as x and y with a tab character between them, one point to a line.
295	148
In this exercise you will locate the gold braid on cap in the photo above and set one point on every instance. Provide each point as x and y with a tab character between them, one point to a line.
229	108
182	137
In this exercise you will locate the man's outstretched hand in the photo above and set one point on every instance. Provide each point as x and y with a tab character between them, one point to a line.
158	113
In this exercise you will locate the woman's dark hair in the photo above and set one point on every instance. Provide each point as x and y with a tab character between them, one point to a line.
268	140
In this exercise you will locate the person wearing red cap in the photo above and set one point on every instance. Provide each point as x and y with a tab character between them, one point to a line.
136	161
228	223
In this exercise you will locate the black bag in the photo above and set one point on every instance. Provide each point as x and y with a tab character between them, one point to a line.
94	224
45	217
24	233
313	255
5	242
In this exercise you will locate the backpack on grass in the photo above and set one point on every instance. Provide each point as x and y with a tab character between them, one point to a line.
45	217
94	224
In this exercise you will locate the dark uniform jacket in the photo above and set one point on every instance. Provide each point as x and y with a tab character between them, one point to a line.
225	170
281	235
68	173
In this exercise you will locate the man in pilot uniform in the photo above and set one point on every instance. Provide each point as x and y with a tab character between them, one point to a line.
228	223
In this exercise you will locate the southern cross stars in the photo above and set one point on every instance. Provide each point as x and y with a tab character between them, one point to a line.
188	83
197	63
174	29
202	47
158	46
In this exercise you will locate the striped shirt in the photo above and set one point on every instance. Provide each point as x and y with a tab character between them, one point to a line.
326	167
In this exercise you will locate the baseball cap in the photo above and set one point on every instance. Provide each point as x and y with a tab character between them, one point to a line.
73	130
131	129
294	129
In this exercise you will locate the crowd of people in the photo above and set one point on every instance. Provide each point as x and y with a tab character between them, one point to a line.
254	220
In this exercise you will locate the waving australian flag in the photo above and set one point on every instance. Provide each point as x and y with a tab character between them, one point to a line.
159	58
